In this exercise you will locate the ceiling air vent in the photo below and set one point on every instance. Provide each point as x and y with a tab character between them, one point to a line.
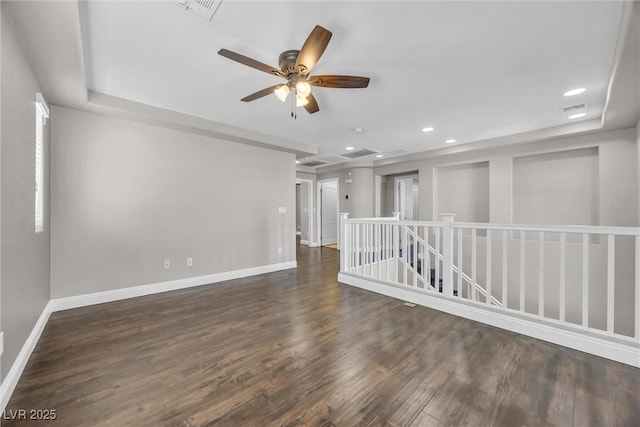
205	8
359	153
573	108
313	163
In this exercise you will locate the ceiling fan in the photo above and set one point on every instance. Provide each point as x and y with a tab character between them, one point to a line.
295	66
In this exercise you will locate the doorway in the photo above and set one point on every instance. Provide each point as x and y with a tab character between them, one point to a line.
328	212
406	191
305	204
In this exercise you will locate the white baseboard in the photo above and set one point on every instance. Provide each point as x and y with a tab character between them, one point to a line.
298	233
11	380
304	242
13	376
66	303
620	352
314	244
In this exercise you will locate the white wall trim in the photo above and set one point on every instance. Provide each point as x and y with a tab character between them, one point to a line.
13	376
59	304
304	242
620	352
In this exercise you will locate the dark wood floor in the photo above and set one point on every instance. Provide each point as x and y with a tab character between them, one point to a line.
297	348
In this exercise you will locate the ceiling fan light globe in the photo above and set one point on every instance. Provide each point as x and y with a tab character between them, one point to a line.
301	102
282	92
303	89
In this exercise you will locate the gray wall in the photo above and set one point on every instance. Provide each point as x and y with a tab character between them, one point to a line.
638	165
360	191
616	187
464	190
544	183
24	254
127	195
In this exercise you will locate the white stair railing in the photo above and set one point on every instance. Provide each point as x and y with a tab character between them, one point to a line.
584	279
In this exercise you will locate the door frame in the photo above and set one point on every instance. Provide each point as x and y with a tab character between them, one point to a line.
319	210
312	232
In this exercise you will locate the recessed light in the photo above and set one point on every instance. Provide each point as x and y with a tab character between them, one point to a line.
573	92
577	116
358	130
297	162
379	155
427	129
450	141
349	148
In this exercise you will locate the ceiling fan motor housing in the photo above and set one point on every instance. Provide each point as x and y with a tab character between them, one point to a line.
287	61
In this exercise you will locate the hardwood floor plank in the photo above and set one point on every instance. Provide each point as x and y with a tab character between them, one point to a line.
295	348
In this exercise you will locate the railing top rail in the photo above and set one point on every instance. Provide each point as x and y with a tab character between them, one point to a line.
385	220
581	229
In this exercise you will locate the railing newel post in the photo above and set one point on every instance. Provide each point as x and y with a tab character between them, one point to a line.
342	243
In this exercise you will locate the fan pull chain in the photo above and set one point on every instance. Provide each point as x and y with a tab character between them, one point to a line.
293	104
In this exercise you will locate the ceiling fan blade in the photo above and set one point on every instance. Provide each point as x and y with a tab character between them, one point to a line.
312	106
312	49
346	82
260	93
250	62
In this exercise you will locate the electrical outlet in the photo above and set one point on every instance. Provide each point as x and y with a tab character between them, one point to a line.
167	264
280	250
282	209
189	262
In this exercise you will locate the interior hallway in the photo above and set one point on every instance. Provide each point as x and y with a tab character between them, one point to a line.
296	348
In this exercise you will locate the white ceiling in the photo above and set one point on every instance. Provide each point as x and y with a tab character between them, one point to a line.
472	70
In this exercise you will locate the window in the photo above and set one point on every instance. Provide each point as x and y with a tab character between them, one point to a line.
42	114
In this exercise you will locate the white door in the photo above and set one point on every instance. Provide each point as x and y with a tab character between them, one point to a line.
329	213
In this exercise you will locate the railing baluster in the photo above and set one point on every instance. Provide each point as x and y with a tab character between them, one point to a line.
541	273
354	246
436	261
474	281
427	270
422	264
357	247
505	269
585	280
404	254
379	249
522	268
611	266
488	269
388	240
415	256
563	273
347	247
460	262
368	242
637	309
